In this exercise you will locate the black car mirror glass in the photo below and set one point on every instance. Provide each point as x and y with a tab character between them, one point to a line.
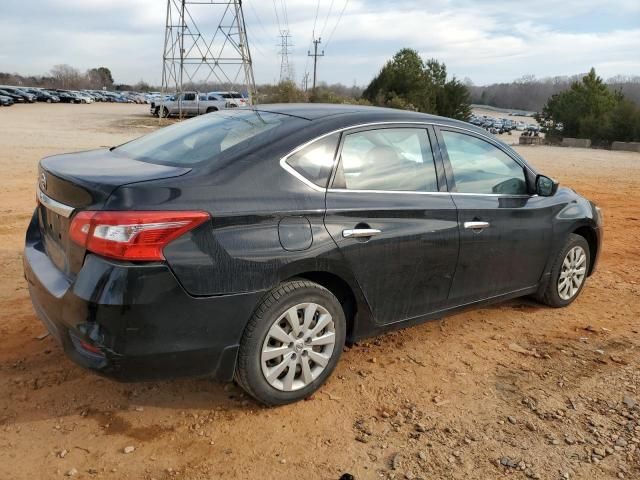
546	186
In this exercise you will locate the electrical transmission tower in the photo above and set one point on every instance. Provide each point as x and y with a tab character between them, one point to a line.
285	67
194	57
315	56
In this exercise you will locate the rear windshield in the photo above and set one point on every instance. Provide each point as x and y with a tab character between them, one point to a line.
202	138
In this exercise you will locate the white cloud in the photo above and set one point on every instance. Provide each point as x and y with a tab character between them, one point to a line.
487	41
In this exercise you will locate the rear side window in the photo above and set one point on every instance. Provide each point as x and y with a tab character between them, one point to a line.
202	138
394	159
189	96
213	97
479	167
315	161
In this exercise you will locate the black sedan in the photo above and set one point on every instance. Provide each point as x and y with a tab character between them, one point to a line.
253	243
64	96
6	101
15	97
28	97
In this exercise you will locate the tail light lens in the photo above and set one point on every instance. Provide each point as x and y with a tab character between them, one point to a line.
132	235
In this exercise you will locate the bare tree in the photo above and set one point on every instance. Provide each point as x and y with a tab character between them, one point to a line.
66	76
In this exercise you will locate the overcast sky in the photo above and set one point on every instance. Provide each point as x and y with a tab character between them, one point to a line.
485	40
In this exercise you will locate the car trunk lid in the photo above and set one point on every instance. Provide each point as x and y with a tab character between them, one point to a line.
83	181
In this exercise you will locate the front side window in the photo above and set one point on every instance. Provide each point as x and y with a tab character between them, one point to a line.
315	161
479	167
395	159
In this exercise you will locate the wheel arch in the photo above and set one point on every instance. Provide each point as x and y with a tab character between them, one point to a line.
348	295
588	233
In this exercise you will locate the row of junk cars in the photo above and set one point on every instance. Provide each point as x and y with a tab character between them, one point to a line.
499	126
10	95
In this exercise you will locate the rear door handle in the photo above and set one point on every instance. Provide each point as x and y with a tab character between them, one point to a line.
476	225
360	232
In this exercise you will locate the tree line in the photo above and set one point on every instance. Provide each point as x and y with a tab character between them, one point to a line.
64	77
578	106
530	93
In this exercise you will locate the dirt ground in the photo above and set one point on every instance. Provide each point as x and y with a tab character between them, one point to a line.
514	390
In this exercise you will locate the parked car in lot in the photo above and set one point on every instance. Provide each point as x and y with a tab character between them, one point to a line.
64	96
15	97
6	101
251	244
42	95
232	99
83	97
28	97
188	104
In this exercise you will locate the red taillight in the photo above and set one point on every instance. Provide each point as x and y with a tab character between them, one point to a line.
132	235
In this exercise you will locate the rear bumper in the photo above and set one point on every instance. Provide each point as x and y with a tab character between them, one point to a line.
135	322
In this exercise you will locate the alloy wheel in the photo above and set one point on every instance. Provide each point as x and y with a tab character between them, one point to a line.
572	273
298	347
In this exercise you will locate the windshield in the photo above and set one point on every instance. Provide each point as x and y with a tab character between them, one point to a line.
200	139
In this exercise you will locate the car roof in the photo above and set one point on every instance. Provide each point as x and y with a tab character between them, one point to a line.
356	114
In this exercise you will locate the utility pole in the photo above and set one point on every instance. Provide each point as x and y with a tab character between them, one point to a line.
305	81
285	68
315	56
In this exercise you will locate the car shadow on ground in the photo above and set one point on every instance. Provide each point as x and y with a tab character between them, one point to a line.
38	378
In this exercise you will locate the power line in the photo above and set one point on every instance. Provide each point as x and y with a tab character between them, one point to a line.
326	19
337	23
315	20
285	14
257	17
313	36
275	9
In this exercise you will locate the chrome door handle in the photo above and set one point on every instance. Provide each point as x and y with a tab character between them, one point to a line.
476	225
360	232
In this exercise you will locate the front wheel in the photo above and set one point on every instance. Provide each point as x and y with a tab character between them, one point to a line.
568	274
291	344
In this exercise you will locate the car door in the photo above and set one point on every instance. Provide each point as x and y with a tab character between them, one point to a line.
189	104
505	232
396	226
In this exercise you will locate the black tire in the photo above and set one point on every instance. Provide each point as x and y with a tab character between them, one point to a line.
211	109
273	306
548	293
165	112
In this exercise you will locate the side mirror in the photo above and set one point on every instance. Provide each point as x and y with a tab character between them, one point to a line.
545	186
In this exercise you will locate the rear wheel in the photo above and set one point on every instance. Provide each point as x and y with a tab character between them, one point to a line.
291	344
568	274
165	112
212	109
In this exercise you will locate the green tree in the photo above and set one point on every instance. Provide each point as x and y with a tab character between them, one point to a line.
407	82
590	109
100	77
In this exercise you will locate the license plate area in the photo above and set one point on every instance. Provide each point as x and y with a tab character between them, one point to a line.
55	233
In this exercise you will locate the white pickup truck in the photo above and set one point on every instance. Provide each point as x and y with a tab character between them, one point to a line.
194	103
